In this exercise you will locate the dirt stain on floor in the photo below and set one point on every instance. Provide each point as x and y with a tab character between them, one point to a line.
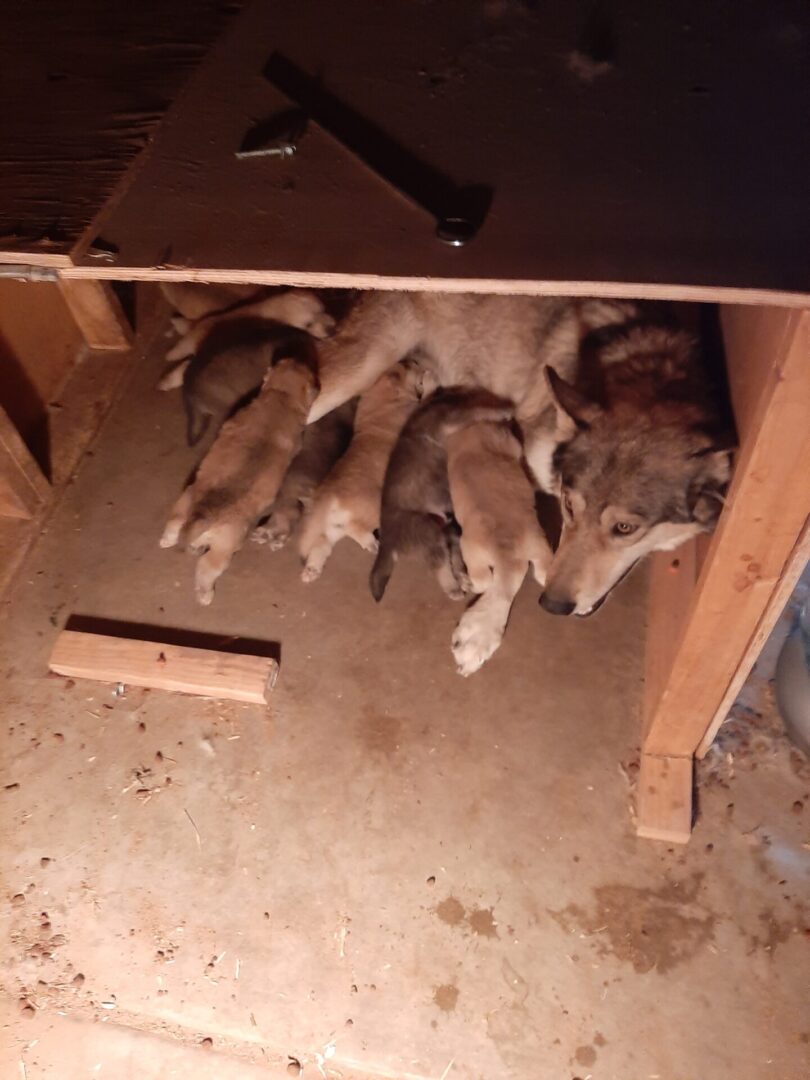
446	997
652	929
585	1055
379	734
480	920
451	911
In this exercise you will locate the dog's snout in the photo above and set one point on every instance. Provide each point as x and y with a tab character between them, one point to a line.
555	605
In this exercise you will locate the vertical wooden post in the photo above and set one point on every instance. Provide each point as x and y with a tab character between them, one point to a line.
768	361
98	313
23	488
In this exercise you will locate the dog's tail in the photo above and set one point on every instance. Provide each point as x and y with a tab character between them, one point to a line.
197	419
381	571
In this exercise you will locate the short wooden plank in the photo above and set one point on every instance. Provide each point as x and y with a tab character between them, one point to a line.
233	676
767	506
664	805
23	488
98	314
776	605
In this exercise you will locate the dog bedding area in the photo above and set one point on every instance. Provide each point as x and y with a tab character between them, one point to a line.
386	870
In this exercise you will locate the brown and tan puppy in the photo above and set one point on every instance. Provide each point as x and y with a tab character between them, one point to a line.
301	308
416	514
493	501
239	478
230	366
348	501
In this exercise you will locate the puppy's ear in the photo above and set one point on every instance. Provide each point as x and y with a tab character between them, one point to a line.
571	405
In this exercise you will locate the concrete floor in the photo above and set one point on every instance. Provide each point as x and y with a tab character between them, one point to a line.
390	871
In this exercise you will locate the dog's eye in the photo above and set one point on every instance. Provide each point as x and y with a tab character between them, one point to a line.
624	528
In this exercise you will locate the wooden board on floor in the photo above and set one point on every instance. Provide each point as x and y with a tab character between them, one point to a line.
765	513
665	798
656	170
206	672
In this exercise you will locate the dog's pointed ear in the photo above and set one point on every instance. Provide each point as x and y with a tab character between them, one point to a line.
707	493
571	405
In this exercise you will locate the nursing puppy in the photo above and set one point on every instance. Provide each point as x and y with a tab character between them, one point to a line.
323	444
196	299
493	501
417	512
239	477
230	367
348	502
301	308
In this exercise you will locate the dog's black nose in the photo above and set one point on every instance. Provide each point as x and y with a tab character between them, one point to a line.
556	607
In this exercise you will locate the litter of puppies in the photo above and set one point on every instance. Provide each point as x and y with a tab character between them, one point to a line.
425	424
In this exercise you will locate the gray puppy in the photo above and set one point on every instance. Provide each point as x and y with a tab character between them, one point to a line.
229	368
322	445
417	512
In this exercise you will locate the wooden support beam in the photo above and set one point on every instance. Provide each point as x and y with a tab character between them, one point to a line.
665	798
767	506
23	488
798	560
98	313
206	672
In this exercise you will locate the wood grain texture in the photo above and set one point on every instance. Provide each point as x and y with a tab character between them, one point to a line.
98	314
799	559
665	798
205	672
90	82
648	174
672	580
23	488
766	510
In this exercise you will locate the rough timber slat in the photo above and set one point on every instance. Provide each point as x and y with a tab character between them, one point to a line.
98	314
644	177
665	798
163	667
766	511
23	488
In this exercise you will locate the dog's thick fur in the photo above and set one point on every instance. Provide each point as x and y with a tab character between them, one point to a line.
194	300
239	478
348	502
416	511
493	501
641	464
323	444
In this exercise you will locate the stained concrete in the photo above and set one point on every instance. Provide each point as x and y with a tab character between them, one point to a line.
389	871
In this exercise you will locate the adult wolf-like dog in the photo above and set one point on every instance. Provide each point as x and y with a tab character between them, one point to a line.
636	465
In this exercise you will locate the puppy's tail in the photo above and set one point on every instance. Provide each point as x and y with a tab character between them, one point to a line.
381	571
198	420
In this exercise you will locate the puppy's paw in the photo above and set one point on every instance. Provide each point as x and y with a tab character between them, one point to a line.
278	531
475	639
310	573
204	594
171	534
369	543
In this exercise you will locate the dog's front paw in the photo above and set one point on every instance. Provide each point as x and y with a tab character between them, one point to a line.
276	531
310	573
204	594
475	639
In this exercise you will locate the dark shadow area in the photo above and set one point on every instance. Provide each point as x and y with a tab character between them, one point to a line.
26	409
166	635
